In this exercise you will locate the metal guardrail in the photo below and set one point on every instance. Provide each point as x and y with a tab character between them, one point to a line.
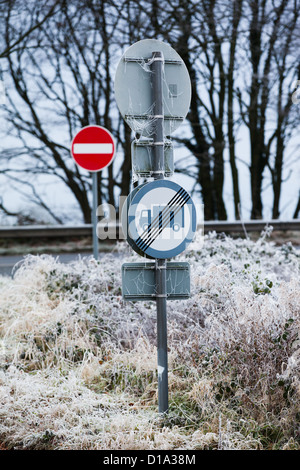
64	231
46	231
251	225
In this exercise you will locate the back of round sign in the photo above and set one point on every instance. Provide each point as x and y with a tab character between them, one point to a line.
133	88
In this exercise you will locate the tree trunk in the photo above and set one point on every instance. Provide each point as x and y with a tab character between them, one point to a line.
201	147
297	210
218	176
201	152
126	166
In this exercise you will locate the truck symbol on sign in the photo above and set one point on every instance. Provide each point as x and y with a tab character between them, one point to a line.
175	220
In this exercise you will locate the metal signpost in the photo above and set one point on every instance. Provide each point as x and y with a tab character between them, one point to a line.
153	92
93	149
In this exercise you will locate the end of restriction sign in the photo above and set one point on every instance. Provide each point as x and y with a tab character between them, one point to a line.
161	219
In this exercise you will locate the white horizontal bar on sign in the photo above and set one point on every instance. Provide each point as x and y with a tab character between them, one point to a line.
93	148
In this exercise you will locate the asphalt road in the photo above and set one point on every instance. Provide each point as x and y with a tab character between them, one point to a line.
8	262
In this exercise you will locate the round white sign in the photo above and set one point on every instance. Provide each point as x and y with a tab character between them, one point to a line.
161	219
133	87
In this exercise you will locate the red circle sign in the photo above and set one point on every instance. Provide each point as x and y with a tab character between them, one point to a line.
93	148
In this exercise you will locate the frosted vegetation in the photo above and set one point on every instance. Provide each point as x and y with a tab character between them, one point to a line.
78	364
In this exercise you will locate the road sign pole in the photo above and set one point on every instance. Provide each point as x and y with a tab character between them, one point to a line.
94	214
162	341
161	283
158	126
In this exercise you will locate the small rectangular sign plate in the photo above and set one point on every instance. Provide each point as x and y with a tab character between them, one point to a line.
138	281
142	153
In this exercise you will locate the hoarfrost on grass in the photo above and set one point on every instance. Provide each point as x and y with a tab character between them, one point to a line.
78	364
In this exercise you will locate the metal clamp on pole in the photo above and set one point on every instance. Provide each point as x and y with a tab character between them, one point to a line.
156	58
157	174
161	267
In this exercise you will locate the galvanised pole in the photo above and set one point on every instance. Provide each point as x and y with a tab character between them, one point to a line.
157	64
94	213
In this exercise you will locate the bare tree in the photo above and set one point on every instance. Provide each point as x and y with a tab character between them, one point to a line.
287	69
203	31
271	28
63	76
176	23
236	12
297	210
12	26
60	65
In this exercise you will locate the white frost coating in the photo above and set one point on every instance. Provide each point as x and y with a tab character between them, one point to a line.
143	126
135	102
142	152
78	365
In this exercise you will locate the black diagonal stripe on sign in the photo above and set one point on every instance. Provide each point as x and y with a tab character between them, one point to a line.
157	230
147	245
154	221
149	232
149	242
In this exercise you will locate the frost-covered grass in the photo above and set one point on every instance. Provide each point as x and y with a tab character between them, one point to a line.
78	364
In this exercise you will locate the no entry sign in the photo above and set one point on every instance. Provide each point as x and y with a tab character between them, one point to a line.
161	220
93	148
